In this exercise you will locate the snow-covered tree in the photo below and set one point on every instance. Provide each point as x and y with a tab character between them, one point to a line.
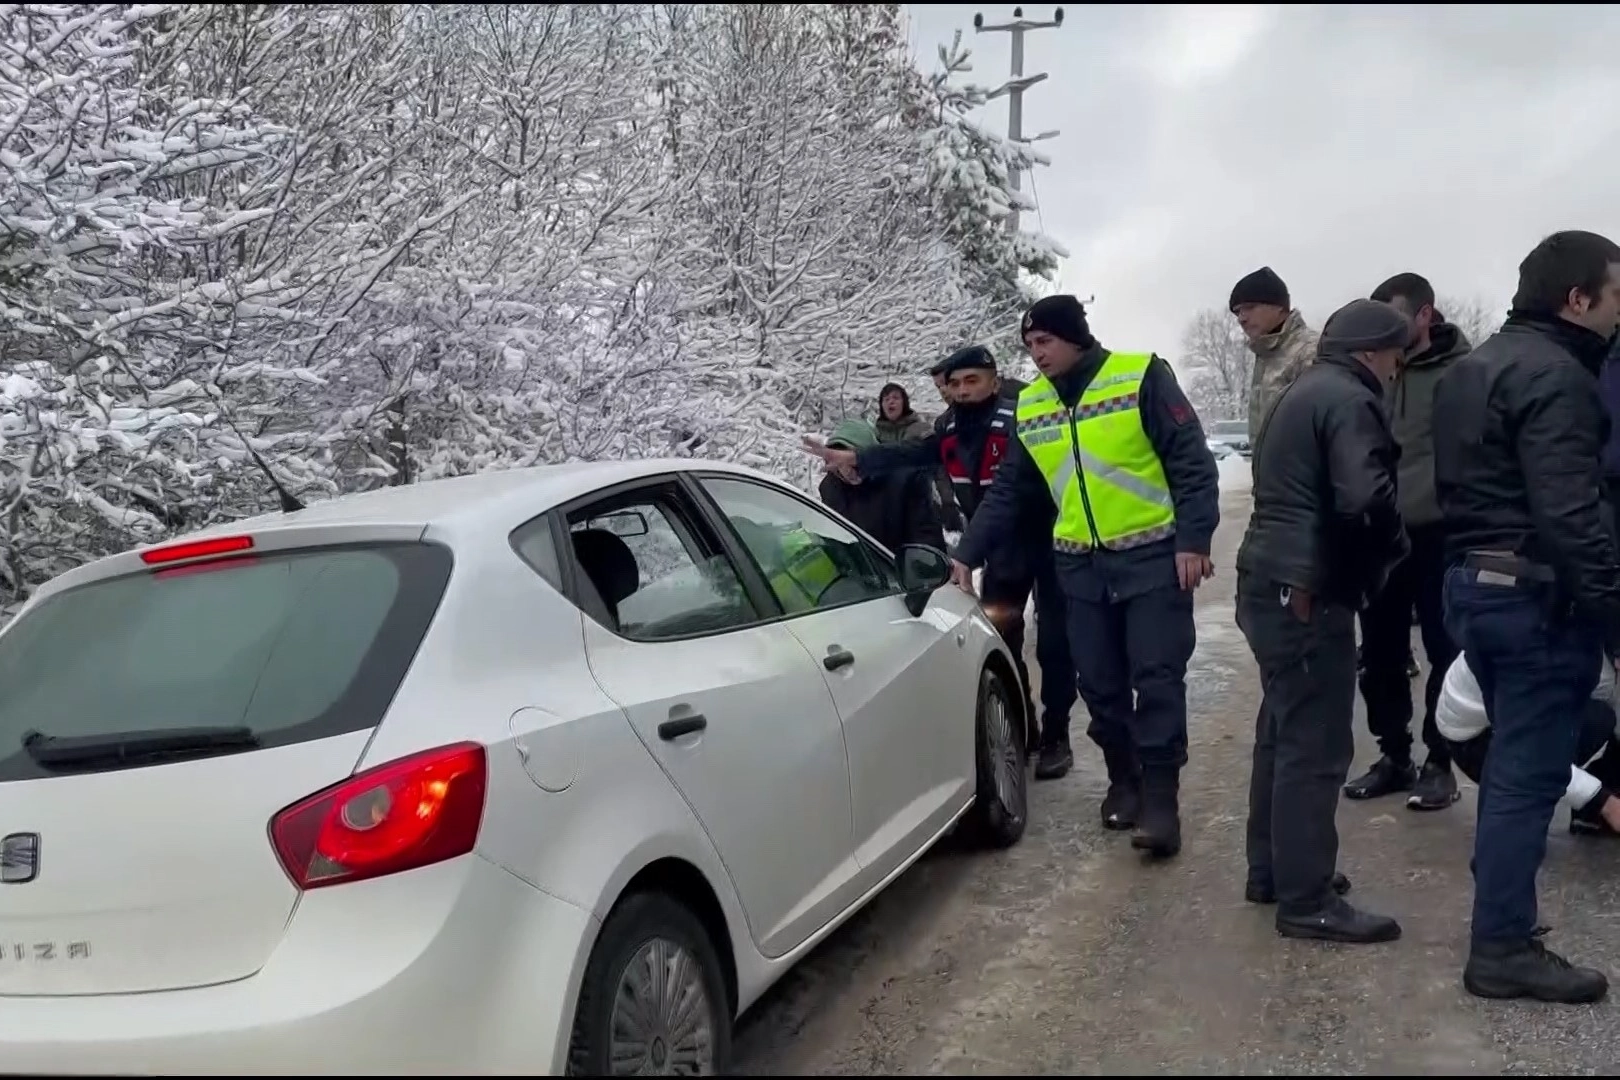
118	189
1216	365
970	178
359	245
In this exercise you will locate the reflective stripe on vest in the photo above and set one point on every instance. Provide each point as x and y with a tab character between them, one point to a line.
1099	454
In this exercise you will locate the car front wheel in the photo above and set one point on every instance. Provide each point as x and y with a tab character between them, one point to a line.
1001	806
653	1001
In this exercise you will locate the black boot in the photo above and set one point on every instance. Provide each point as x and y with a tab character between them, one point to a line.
1123	804
1158	832
1339	921
1528	969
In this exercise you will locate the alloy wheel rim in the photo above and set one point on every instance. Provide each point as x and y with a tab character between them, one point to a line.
1009	769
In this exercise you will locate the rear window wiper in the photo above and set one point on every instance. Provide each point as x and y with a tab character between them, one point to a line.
57	751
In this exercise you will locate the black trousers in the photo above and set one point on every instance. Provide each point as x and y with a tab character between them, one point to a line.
1303	740
1418	583
1131	657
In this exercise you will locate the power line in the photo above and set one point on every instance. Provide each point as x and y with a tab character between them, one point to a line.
1014	89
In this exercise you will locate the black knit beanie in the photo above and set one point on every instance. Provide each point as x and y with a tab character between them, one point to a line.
1061	316
1365	326
1261	287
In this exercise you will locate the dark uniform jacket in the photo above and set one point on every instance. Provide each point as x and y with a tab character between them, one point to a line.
1172	426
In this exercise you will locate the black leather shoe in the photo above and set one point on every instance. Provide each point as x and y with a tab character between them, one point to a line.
1341	922
1386	777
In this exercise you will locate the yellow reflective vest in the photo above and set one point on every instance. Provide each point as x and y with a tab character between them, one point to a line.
805	571
1104	474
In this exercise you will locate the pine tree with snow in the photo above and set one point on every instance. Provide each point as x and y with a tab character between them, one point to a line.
970	178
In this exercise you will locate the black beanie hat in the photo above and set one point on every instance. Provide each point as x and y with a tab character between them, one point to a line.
1366	326
1261	287
1061	316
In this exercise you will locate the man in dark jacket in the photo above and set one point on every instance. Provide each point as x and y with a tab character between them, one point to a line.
1533	590
971	439
1131	506
895	509
1419	581
1323	535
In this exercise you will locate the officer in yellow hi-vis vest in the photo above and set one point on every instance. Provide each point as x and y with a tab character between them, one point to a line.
1110	440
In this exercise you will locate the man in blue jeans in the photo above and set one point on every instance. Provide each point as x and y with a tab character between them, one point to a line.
1533	588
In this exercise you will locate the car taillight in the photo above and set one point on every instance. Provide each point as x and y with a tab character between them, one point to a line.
196	549
398	816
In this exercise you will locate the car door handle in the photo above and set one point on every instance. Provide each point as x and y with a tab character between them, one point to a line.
674	728
838	658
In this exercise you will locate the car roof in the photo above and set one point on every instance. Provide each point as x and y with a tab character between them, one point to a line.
506	495
496	500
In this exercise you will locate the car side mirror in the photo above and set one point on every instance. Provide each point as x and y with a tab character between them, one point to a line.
922	570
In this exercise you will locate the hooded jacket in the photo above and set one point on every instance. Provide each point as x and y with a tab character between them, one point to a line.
1411	417
1325	516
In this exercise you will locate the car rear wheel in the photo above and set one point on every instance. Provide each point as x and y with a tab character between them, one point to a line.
653	1001
1001	807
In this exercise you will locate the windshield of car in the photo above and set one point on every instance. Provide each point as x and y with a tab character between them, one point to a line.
289	646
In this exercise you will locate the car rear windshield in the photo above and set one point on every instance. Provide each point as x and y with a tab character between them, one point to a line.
292	646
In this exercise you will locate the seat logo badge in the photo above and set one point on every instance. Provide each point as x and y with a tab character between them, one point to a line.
19	858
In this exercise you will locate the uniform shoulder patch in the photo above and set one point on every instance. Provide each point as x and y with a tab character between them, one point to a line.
1181	413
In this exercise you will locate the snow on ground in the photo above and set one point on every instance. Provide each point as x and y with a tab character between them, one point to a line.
1235	474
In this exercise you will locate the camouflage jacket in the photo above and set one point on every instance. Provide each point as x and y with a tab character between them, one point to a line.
1278	360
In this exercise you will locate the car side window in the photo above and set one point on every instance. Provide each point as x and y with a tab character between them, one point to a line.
657	576
808	559
535	545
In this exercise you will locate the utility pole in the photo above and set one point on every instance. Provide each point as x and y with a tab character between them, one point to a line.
1014	87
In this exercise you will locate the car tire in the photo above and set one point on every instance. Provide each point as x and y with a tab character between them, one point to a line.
648	937
1001	802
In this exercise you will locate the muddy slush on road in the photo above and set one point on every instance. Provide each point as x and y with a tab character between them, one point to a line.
1069	954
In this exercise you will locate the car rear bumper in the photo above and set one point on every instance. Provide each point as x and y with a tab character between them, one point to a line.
454	969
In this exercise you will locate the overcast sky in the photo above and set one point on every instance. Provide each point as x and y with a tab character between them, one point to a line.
1338	144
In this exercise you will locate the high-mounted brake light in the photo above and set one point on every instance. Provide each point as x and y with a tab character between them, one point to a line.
196	549
399	816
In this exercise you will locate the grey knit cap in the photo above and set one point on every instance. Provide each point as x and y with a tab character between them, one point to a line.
1366	326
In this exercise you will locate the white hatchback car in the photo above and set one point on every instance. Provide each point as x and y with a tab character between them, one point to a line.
543	771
